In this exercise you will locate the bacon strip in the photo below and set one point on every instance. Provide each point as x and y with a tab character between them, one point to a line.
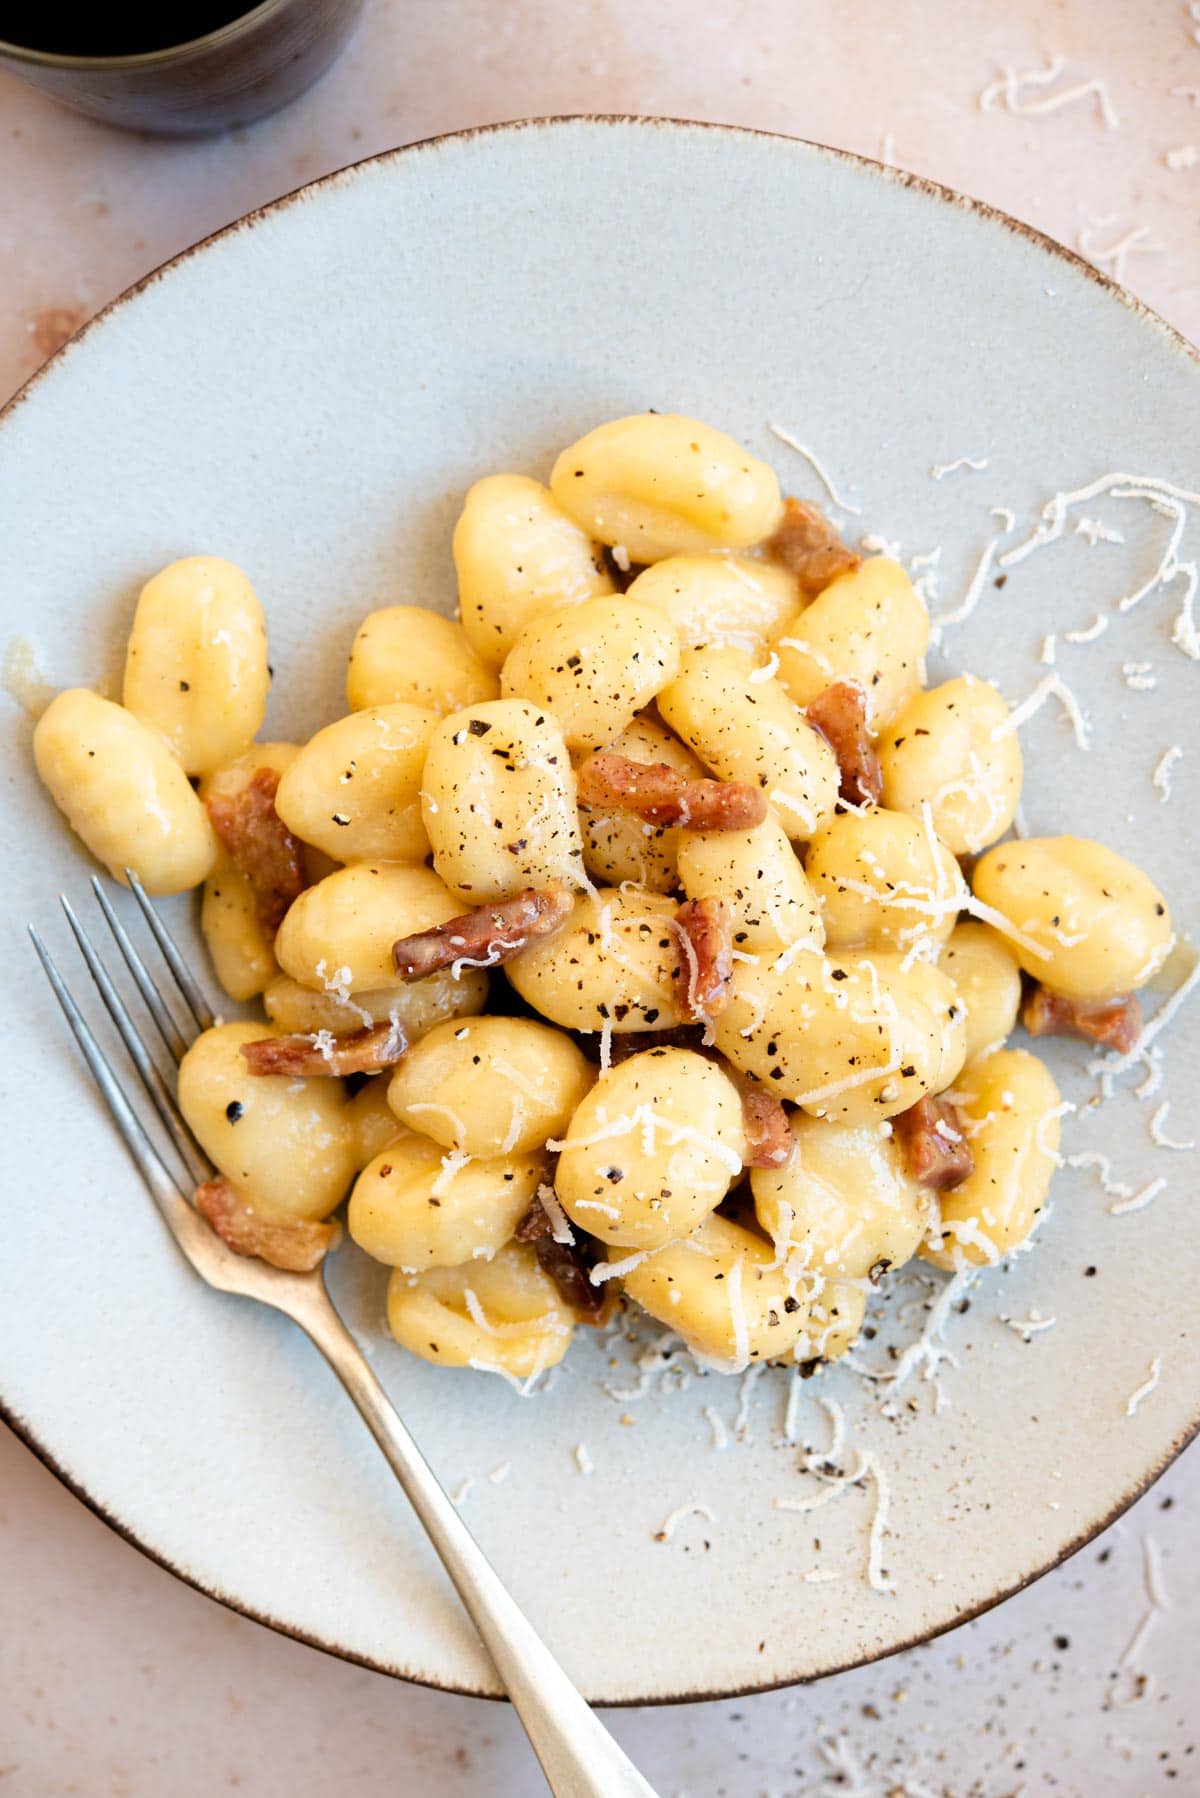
768	1136
569	1265
255	836
485	937
840	714
935	1144
1117	1023
660	794
707	927
807	544
292	1244
363	1052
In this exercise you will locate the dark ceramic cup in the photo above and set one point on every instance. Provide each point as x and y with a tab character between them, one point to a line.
231	76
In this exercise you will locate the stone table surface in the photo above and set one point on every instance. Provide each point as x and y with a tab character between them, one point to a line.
116	1680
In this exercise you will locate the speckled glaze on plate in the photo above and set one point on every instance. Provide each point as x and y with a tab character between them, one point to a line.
309	393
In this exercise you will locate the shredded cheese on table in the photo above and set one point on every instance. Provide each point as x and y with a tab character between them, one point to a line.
1158	1131
1146	1388
940	470
1006	91
672	1521
1029	1327
1164	771
1050	686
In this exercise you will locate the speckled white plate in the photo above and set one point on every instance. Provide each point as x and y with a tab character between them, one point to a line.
309	393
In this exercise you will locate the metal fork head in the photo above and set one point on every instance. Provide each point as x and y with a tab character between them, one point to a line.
212	1259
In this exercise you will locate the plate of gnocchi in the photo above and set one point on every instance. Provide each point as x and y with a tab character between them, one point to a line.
675	787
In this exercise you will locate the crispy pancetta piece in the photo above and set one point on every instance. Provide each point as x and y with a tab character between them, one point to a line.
768	1136
289	1243
569	1265
840	714
363	1052
256	838
807	544
485	937
707	929
935	1145
660	794
1116	1023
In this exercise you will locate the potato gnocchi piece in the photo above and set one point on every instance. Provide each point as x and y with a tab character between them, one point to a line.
953	748
354	790
408	655
868	626
501	1316
730	600
498	800
722	1290
1094	926
594	665
882	881
371	1121
844	1205
859	1036
747	729
241	949
1009	1105
416	1207
123	793
517	554
416	1005
618	845
337	938
833	1323
616	963
758	875
196	666
659	485
988	981
652	1149
284	1144
490	1086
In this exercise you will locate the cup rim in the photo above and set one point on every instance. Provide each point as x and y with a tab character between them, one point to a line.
142	59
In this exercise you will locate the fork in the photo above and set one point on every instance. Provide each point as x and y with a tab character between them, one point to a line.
577	1755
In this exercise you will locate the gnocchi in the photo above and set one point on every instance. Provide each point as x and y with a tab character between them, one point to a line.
415	1207
747	729
338	936
517	555
652	1149
498	801
354	790
954	750
285	1145
868	626
680	913
594	665
660	485
722	600
1086	922
196	667
501	1316
490	1086
408	655
1010	1108
884	882
123	792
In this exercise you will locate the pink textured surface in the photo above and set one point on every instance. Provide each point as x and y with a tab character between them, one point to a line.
117	1680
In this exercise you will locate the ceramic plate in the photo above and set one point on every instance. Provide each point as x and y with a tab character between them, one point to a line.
310	393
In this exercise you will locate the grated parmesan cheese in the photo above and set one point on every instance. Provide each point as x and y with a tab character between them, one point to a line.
583	1459
940	470
1146	1388
1158	1130
1050	686
1006	91
672	1521
1164	771
818	469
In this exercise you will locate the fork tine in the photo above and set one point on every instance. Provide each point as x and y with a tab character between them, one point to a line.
194	999
149	1163
165	1024
157	1088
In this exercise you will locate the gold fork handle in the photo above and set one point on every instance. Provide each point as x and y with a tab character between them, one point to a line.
578	1756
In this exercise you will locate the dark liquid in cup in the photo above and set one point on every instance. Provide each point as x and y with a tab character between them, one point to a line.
113	30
